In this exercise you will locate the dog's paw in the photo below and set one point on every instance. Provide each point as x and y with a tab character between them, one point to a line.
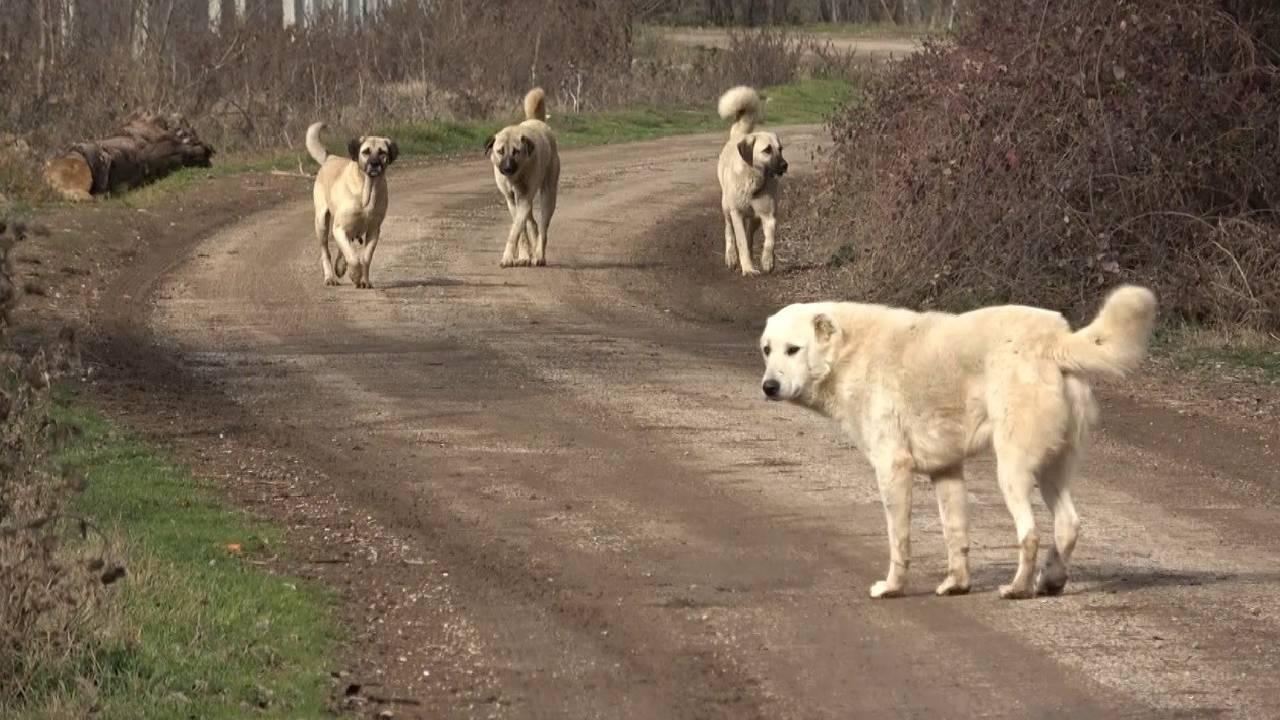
1049	583
540	262
883	589
1013	592
750	272
766	264
332	281
951	586
731	261
507	262
364	285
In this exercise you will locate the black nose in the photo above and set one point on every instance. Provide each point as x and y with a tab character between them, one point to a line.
506	167
771	388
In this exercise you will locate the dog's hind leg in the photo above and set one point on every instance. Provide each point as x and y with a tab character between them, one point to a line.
894	478
326	261
1055	482
1017	479
546	208
953	508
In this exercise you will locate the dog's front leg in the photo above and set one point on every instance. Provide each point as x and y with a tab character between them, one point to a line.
743	242
894	478
366	255
730	246
326	261
519	216
349	254
524	251
770	225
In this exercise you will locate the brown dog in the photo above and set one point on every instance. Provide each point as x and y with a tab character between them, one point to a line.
350	197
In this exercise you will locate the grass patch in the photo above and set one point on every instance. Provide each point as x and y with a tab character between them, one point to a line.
194	630
1198	349
808	101
803	102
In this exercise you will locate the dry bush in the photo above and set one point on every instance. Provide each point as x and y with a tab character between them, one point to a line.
48	590
1058	148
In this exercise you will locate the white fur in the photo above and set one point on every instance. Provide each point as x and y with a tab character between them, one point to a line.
919	393
750	163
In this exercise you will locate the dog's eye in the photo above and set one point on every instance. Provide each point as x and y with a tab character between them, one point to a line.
364	151
768	151
792	350
766	350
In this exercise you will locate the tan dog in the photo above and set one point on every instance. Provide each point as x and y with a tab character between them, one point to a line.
350	197
919	393
526	166
750	164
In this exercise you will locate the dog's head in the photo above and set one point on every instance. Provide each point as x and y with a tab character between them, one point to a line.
799	344
763	151
372	153
509	150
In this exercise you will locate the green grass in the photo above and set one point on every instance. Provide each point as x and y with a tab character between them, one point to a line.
1197	349
196	631
806	101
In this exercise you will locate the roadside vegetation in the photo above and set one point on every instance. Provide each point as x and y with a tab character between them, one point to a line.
1046	153
126	589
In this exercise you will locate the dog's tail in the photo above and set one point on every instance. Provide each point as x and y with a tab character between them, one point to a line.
742	105
1116	341
535	105
314	146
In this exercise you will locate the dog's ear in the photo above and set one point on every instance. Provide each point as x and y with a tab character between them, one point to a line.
744	149
823	327
353	148
488	144
393	151
528	145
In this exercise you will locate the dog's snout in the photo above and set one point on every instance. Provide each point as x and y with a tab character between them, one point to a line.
782	167
771	388
507	166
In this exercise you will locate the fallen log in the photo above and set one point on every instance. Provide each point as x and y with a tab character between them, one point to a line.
149	146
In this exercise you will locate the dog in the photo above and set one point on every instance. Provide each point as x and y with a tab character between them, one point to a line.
750	164
918	393
350	196
526	167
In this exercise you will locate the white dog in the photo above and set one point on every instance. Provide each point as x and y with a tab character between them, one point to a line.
919	393
750	164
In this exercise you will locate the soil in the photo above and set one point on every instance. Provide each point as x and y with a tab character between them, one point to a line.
556	492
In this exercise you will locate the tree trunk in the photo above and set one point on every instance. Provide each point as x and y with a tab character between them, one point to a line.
149	146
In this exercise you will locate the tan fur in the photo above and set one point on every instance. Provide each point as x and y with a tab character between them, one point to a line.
919	393
749	167
350	197
526	167
70	176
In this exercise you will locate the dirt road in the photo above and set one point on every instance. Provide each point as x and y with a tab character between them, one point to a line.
596	516
864	48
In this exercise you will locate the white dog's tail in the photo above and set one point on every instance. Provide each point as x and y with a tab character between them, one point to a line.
742	105
535	105
1116	341
314	146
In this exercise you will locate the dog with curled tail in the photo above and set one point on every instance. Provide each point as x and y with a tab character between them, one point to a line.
350	196
526	169
750	164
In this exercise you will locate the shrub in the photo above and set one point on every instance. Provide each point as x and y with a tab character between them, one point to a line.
1055	149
